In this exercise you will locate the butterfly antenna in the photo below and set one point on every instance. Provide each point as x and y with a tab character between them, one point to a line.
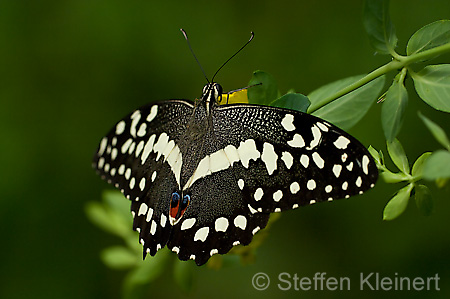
251	37
192	51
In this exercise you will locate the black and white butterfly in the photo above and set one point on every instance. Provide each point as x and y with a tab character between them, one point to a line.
204	177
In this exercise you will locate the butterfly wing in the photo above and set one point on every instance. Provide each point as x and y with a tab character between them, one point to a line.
289	159
138	156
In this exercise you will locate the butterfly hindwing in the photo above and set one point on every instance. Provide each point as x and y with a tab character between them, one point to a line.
217	219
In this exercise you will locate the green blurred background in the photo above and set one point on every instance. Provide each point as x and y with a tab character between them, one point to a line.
70	69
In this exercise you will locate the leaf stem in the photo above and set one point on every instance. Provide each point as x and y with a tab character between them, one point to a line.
398	62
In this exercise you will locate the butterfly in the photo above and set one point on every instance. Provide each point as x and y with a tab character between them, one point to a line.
204	177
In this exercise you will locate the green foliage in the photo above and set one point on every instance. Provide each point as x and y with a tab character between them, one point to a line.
428	37
294	101
398	203
433	86
379	27
347	110
393	108
265	90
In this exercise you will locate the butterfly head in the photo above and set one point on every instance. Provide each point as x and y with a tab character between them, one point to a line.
212	92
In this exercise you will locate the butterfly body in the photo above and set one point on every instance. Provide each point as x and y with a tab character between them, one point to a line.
204	177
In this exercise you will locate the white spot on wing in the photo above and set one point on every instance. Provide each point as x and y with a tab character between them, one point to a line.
358	182
247	151
143	209
269	157
277	195
337	170
328	188
350	166
241	184
163	220
132	183
322	126
128	173
201	234
188	223
153	112
344	186
341	142
126	146
142	184
101	162
139	148
120	127
149	215
287	122
258	194
304	159
287	159
295	187
221	224
153	227
103	144
135	117
311	185
297	141
365	164
142	130
317	136
148	148
240	221
318	160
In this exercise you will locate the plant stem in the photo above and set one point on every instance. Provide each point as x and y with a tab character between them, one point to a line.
398	63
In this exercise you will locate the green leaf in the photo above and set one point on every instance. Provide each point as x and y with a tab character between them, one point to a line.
119	257
393	110
392	178
417	169
424	200
107	219
147	271
294	101
347	110
398	155
379	27
117	202
398	203
265	93
429	36
375	155
184	275
432	84
436	130
437	166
